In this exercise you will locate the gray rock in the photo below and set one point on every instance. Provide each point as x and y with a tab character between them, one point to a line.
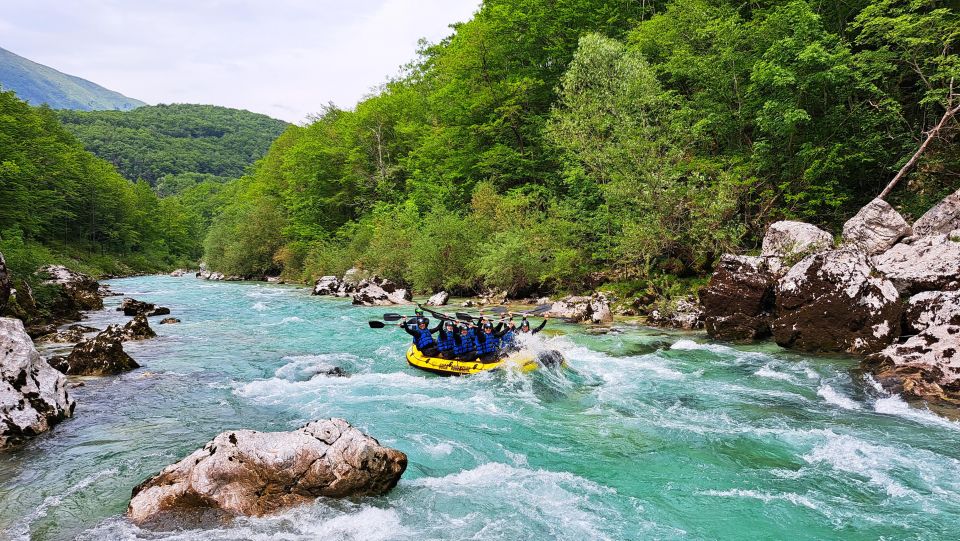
600	309
78	291
169	320
179	273
684	313
836	301
793	240
248	473
33	396
943	218
926	366
876	228
439	298
137	329
574	308
926	264
378	291
327	285
133	307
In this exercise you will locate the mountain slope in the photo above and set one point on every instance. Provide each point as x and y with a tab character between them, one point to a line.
175	146
37	84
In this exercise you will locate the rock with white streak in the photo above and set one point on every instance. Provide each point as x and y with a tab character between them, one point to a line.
876	228
33	396
249	473
924	264
943	218
738	302
926	366
78	292
327	285
836	301
102	355
378	291
794	240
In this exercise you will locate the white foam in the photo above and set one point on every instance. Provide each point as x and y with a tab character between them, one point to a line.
767	371
852	455
765	497
259	306
831	396
894	405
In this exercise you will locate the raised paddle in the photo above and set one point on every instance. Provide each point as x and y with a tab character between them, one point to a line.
377	324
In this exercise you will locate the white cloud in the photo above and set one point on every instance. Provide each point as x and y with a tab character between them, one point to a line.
285	58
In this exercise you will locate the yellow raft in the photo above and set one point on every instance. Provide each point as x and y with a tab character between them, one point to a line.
524	361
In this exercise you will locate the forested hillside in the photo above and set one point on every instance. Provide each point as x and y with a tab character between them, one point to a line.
552	146
38	84
176	146
60	203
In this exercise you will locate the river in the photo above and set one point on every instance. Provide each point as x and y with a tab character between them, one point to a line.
647	435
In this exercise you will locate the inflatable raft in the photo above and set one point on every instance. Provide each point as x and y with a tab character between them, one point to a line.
525	361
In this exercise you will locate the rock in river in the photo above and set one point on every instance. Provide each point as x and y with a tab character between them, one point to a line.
33	396
244	472
133	307
137	329
378	291
101	355
836	301
738	302
327	285
439	298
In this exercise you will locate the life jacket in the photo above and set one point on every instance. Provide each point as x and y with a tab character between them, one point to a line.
487	344
463	345
423	339
446	342
507	339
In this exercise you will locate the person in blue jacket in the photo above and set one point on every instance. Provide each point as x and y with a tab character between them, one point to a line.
422	335
464	346
508	336
447	339
487	343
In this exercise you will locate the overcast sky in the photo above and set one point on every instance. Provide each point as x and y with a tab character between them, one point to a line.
284	58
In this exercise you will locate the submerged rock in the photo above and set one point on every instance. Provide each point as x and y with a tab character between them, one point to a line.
924	264
101	355
249	473
739	302
943	218
137	329
836	301
793	240
876	228
378	291
169	320
33	396
439	298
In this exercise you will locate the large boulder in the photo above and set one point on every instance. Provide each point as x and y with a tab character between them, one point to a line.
600	309
931	309
926	366
836	301
249	473
574	307
78	291
33	396
682	313
439	298
876	228
101	355
738	302
378	291
327	285
137	329
923	264
943	218
794	240
6	284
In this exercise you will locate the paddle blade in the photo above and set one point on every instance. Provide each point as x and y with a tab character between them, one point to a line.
464	317
377	325
392	317
498	309
540	309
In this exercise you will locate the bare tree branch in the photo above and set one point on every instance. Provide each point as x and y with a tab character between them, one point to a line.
931	135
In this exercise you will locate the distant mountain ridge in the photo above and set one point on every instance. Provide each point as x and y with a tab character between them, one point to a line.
38	84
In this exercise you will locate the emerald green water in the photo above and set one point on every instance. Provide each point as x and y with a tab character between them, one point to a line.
648	435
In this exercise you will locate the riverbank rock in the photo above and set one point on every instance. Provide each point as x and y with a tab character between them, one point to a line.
923	264
249	473
69	336
6	285
137	329
133	307
574	307
101	355
739	301
600	309
78	292
439	298
794	240
943	218
378	291
876	228
327	285
33	396
169	320
180	272
836	301
684	313
105	291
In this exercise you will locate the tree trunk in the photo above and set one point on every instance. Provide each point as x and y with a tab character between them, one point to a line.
931	135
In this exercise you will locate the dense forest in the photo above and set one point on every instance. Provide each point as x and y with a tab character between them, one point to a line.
174	147
60	204
561	145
